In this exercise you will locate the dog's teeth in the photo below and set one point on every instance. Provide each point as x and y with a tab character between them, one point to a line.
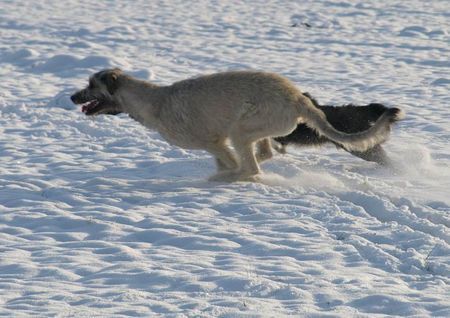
86	106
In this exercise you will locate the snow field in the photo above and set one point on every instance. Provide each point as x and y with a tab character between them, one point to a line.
102	218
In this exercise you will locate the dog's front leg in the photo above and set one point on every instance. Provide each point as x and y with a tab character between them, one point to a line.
225	158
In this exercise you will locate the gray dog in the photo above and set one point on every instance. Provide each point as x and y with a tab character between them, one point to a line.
213	111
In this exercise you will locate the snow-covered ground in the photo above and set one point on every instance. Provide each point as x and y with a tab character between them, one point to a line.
102	218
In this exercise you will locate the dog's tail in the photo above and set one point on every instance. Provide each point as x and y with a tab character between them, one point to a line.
361	141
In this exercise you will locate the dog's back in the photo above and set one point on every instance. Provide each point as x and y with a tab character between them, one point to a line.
351	118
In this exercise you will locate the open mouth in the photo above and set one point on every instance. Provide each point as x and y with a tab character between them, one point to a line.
92	107
97	107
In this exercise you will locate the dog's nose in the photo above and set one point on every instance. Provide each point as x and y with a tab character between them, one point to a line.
73	98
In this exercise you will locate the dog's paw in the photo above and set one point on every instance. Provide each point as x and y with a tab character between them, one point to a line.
223	176
233	176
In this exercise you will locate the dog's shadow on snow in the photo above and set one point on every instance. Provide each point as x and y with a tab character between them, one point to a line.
147	179
182	179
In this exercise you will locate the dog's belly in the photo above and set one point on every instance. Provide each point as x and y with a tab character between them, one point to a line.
191	131
185	140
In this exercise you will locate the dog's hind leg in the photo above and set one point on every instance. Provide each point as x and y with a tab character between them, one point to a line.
278	146
264	150
248	165
225	159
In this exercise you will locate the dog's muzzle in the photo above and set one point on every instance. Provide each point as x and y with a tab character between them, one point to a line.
90	106
78	98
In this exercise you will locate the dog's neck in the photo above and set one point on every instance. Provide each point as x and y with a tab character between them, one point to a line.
141	100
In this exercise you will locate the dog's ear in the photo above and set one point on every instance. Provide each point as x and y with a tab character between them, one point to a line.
110	79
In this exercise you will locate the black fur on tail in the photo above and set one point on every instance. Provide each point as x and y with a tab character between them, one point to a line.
349	119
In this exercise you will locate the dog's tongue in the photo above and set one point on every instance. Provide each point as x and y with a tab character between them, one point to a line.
89	105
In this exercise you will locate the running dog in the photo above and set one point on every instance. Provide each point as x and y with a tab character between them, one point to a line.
349	119
213	111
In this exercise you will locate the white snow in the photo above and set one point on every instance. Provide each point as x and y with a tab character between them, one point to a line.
102	218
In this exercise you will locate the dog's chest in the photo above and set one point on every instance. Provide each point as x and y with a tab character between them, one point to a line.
174	136
179	139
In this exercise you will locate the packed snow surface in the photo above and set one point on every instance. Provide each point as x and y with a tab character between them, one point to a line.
102	218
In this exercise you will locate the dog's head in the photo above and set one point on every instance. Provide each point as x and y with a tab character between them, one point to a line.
98	97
